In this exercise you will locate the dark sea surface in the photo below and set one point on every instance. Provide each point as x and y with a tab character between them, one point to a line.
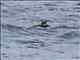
21	41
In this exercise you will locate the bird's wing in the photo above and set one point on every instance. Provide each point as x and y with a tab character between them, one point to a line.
33	26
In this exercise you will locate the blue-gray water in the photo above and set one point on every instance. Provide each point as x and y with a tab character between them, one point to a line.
40	0
60	41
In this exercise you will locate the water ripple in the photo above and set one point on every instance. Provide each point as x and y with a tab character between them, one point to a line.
70	35
48	4
78	4
66	27
32	44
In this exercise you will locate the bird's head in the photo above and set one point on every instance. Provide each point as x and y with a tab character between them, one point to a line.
44	21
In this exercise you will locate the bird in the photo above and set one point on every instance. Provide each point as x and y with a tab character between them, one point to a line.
42	24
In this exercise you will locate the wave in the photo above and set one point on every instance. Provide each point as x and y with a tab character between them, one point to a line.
27	31
70	35
66	27
16	29
32	44
78	4
40	31
48	4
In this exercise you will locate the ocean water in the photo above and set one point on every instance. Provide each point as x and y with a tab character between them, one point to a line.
40	0
21	41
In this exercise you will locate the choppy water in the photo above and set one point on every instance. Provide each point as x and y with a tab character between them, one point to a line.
61	41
